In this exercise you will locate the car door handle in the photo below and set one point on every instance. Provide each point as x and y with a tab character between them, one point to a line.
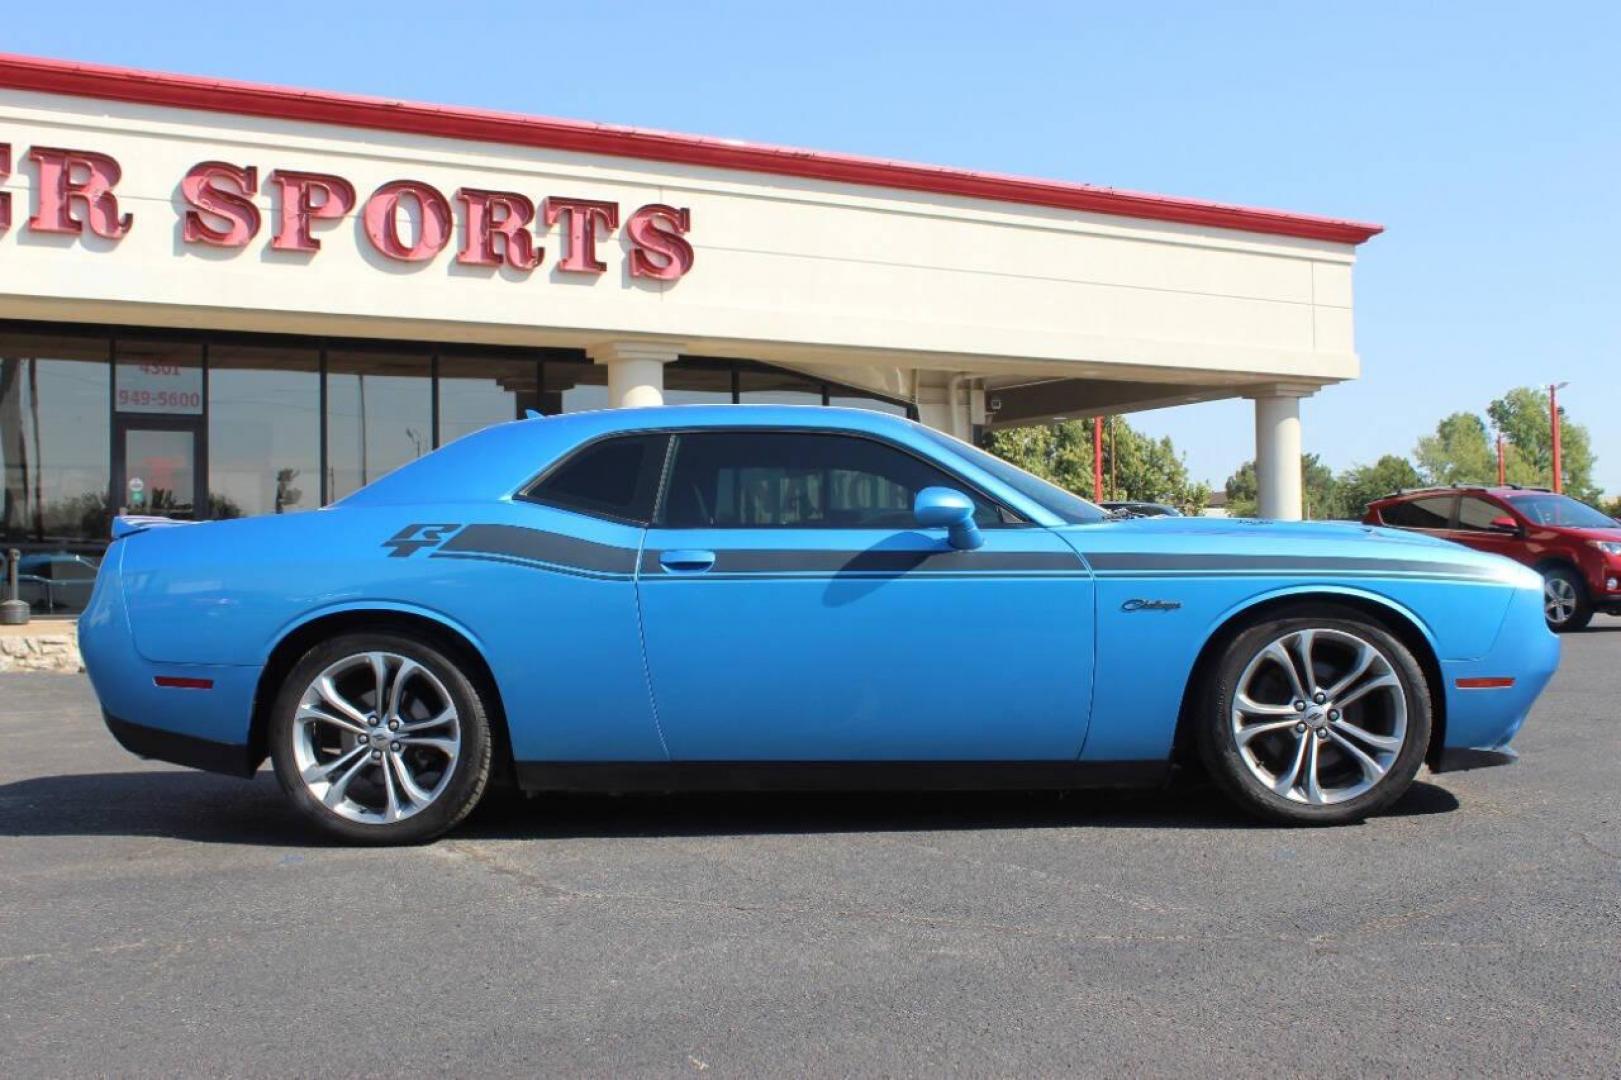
686	561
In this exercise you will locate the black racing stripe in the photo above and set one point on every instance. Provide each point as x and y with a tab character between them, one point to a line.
764	561
1107	561
534	545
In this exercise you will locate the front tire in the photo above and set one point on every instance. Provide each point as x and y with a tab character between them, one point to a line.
1564	600
379	738
1315	719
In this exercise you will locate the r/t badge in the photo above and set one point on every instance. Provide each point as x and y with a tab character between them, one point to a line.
413	538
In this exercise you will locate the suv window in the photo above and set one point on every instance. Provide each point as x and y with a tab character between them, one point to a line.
799	480
1478	514
1432	512
615	478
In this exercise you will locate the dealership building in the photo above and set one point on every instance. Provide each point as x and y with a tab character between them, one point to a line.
220	298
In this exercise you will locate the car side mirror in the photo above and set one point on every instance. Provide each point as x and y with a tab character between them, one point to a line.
1504	524
943	508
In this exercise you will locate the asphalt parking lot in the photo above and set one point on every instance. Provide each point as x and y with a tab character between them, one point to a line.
159	921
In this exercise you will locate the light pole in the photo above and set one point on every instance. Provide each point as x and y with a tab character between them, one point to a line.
1097	459
1553	413
1502	471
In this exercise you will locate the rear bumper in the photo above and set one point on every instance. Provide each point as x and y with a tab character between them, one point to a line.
188	750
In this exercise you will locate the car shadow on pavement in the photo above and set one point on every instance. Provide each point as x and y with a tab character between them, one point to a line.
201	808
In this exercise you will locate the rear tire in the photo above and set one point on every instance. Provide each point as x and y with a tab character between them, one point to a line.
379	738
1314	718
1564	599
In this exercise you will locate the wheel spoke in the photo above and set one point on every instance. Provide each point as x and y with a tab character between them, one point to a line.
314	714
1314	790
392	811
1305	645
1366	655
446	747
1387	679
1380	742
396	694
1370	768
334	794
1284	659
1250	707
402	773
379	670
316	774
439	720
1246	734
328	691
1285	784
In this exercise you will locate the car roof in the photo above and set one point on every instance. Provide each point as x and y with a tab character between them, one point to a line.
1506	491
496	460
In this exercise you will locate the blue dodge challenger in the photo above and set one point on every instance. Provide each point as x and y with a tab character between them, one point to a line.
761	596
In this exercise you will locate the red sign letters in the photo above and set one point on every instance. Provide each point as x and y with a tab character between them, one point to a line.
404	220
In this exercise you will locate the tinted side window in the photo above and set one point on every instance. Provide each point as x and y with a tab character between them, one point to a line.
799	480
1478	514
1434	512
616	478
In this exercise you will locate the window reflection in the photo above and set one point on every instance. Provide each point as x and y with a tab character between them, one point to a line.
379	415
264	430
475	392
775	387
573	386
698	382
54	439
858	401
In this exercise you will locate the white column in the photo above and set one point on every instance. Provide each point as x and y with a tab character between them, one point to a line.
635	370
1277	450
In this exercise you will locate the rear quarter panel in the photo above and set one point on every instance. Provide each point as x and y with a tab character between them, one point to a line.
226	593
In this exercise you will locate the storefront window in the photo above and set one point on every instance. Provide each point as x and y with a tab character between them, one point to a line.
264	430
848	400
379	415
769	386
573	386
698	382
53	440
475	392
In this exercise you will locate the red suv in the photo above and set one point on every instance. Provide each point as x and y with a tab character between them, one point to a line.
1576	548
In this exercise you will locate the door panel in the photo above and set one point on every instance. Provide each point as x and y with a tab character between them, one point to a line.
866	644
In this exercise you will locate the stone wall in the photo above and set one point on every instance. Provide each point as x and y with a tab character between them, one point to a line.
40	648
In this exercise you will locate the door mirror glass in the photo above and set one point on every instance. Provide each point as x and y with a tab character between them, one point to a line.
943	508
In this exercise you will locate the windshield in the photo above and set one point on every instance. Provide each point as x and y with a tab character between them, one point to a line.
1062	504
1548	509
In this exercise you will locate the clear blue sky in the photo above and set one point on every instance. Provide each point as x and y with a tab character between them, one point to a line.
1486	137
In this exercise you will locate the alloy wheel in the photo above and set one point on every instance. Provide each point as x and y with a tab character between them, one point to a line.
1558	599
1319	716
376	737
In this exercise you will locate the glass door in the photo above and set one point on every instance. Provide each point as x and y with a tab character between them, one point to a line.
156	468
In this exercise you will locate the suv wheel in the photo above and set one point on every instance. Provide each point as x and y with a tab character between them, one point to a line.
1564	599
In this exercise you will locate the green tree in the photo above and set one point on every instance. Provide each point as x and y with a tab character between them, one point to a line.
1522	416
1141	468
1361	484
1459	452
1319	494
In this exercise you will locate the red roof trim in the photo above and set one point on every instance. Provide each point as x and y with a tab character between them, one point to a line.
383	114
